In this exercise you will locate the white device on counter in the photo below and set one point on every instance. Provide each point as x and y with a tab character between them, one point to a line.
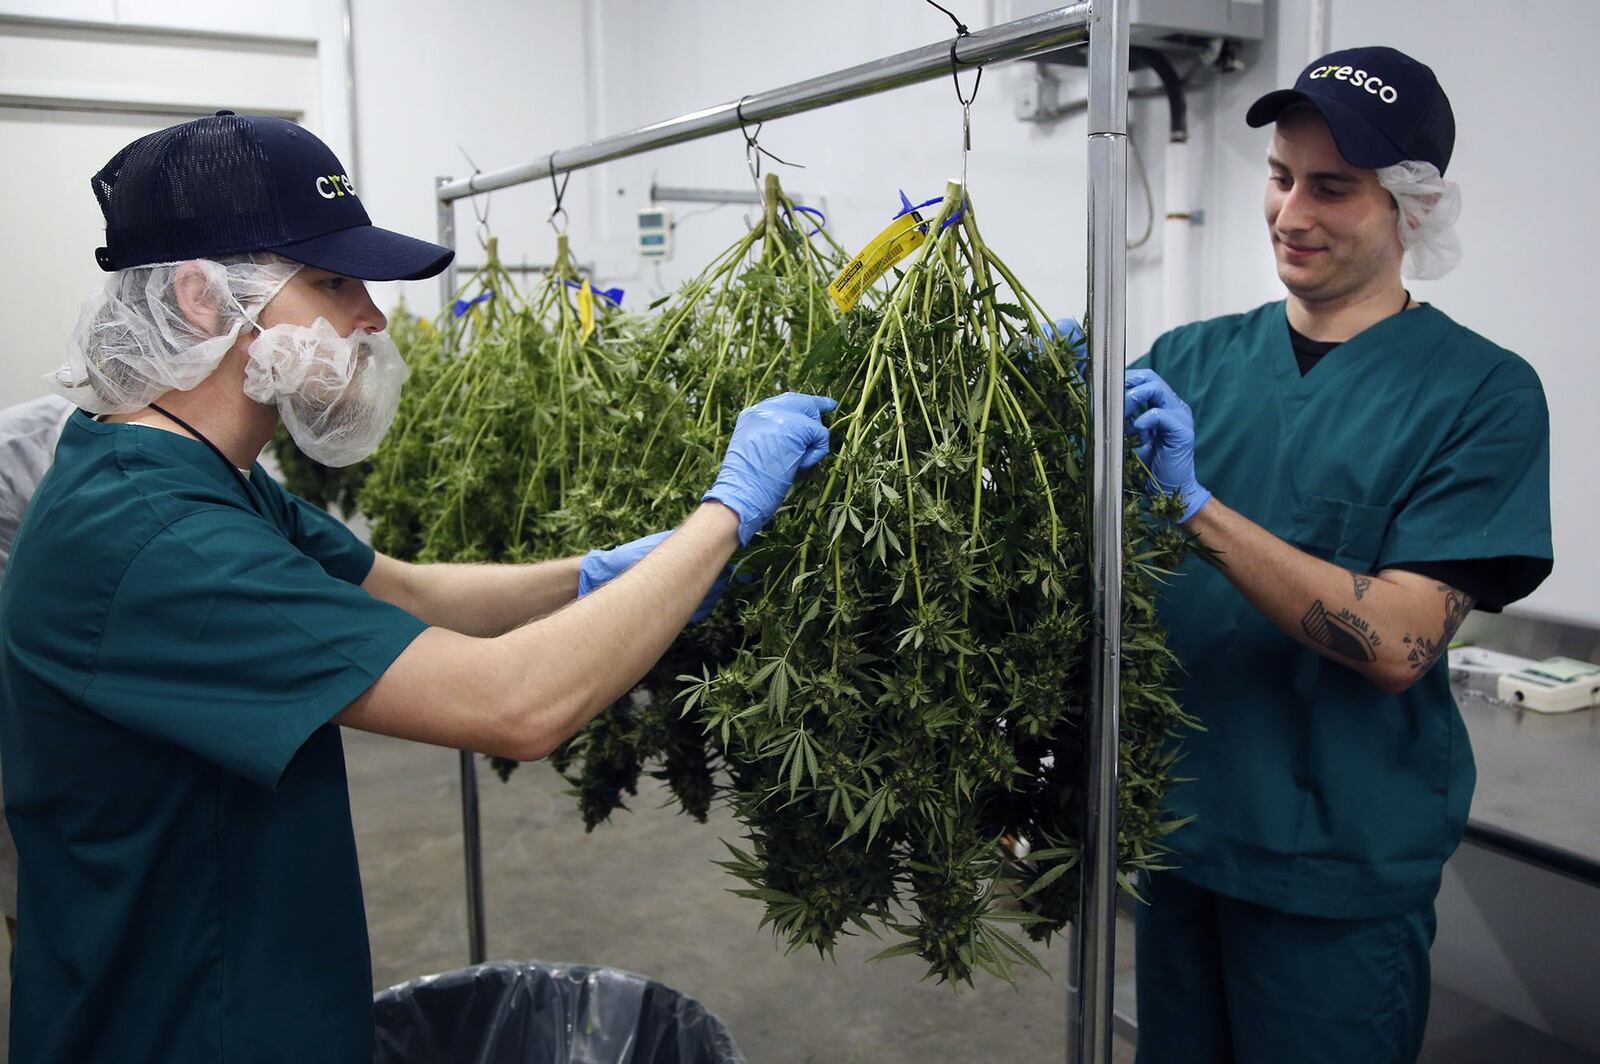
1480	670
1554	685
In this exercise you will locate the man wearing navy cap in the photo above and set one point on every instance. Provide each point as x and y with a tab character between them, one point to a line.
180	637
1372	471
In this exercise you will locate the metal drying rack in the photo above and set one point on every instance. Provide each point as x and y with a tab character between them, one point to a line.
1101	25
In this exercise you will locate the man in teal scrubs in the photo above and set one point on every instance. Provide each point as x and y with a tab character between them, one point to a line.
1372	471
180	638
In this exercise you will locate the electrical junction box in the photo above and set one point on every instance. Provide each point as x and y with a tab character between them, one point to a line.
1153	22
1177	25
655	233
1217	33
1554	685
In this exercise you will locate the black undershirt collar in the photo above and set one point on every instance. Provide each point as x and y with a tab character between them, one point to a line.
1308	352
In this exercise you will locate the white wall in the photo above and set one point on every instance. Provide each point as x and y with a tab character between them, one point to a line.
500	80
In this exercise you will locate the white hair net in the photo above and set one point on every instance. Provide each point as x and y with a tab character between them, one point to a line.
337	395
1429	206
133	342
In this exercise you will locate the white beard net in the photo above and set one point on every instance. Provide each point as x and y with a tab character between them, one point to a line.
133	343
337	395
1429	206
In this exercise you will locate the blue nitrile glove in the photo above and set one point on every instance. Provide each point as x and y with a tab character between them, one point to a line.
1165	426
772	440
1066	329
1069	330
600	567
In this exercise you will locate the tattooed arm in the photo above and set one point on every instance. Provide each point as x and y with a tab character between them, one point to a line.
1389	626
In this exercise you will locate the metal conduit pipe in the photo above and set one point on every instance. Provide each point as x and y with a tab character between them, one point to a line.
1177	228
1171	84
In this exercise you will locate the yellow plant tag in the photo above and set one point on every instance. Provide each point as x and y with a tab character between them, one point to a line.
586	309
900	239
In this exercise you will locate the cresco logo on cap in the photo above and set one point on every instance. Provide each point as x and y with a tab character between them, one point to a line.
334	186
1358	78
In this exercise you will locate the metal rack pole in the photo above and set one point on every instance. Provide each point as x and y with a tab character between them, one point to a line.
472	846
471	831
675	194
1090	1019
447	236
1103	23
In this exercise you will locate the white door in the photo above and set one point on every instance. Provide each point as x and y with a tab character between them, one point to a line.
71	96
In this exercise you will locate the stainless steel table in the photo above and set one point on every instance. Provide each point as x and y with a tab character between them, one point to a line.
1538	792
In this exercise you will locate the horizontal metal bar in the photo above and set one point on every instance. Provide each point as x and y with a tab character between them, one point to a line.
105	104
1020	39
672	194
122	32
525	267
1585	870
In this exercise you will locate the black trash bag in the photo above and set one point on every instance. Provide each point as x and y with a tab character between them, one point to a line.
533	1013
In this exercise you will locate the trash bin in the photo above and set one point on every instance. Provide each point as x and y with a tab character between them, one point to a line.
533	1013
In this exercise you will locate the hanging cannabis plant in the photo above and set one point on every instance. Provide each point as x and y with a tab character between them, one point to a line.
728	339
911	689
494	422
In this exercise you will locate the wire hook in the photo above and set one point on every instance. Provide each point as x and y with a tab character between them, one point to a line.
483	215
560	192
753	151
965	99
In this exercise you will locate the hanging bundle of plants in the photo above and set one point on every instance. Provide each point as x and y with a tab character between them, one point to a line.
727	339
911	688
495	420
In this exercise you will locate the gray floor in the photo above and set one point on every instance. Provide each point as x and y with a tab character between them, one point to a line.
1460	1031
641	894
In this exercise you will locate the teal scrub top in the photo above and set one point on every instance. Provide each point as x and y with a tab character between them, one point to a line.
1312	790
171	653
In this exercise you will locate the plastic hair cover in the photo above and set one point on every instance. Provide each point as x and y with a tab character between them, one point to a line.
1429	206
133	342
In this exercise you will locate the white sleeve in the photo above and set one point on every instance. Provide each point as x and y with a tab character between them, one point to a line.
28	435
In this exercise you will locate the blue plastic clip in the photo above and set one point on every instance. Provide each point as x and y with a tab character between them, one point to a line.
822	219
613	294
906	207
461	306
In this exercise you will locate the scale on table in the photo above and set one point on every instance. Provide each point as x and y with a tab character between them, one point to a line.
1554	685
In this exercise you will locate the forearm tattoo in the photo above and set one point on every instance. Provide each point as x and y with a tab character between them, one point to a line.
1361	584
1422	652
1344	633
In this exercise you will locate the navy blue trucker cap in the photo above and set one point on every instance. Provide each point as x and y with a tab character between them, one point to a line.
1381	105
230	184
